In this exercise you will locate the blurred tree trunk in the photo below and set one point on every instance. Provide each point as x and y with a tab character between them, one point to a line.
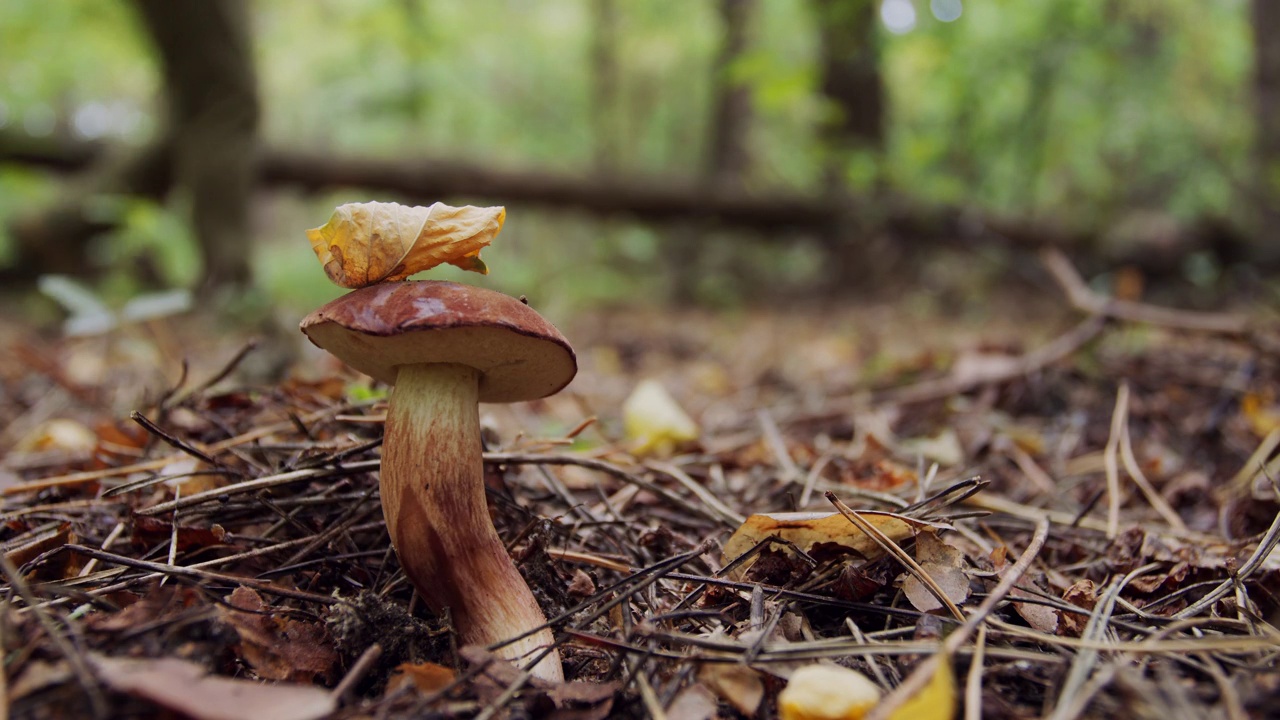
207	144
728	156
849	78
1266	90
418	30
853	135
604	84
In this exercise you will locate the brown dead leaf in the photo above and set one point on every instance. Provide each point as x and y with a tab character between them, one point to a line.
33	546
279	648
118	444
582	700
186	688
738	685
1084	595
806	530
945	565
149	531
581	585
155	602
373	242
427	677
1039	616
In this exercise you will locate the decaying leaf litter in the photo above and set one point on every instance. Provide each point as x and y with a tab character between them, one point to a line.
1089	531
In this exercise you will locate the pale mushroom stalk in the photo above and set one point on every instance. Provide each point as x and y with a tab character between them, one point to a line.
433	497
447	347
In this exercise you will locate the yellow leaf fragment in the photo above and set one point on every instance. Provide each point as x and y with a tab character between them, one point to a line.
654	422
367	243
936	700
1260	412
806	530
827	692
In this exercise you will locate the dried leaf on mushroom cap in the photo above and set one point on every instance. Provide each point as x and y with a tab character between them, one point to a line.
367	243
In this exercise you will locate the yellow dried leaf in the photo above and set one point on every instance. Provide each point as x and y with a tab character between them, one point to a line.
807	529
367	243
936	700
827	692
654	422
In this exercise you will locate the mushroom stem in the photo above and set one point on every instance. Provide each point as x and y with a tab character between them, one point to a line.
433	498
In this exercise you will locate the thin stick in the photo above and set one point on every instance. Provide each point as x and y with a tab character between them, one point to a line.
1111	460
172	441
226	370
261	483
607	468
1240	482
357	672
1135	471
114	535
194	573
726	513
1086	300
1031	362
973	683
811	479
790	471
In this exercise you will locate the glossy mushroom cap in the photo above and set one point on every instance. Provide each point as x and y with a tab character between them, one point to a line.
376	329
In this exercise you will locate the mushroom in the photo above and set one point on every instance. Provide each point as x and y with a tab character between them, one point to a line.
447	347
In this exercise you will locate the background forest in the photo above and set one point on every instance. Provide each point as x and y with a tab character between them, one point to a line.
1125	124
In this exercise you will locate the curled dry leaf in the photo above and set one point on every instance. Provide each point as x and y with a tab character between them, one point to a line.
806	530
1084	595
373	242
945	565
827	692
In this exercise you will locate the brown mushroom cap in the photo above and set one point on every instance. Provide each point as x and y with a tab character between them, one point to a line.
378	328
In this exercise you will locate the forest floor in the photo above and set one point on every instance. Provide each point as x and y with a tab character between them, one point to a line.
1084	488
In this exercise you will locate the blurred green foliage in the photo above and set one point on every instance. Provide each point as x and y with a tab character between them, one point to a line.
1077	111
